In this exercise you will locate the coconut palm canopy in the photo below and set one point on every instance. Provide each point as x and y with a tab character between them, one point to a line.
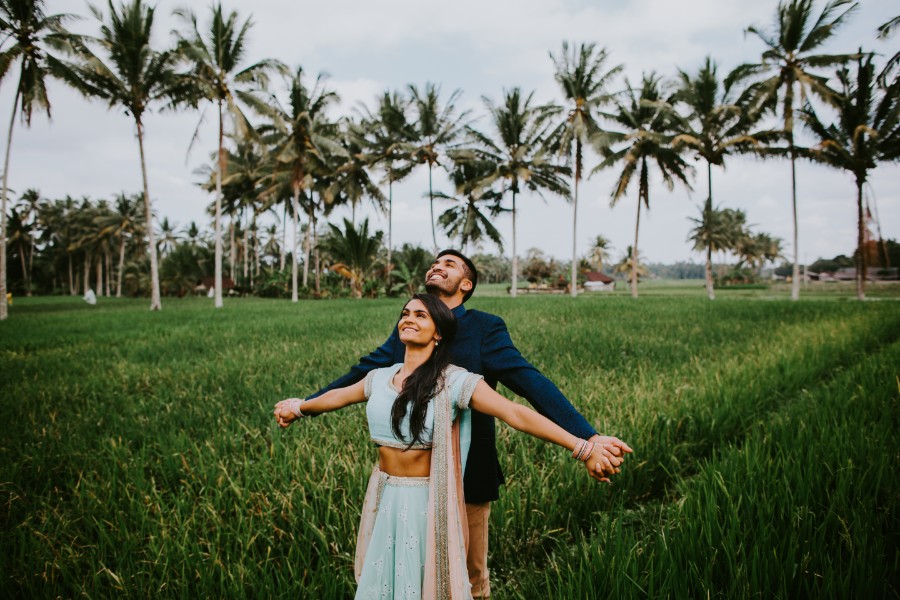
94	153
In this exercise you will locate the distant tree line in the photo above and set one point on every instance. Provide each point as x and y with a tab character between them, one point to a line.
280	151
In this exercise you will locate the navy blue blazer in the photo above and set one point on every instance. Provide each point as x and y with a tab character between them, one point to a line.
483	345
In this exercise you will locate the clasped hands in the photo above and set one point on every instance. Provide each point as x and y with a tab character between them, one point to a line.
284	414
608	454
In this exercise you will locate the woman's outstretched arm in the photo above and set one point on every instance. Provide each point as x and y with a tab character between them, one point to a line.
289	410
601	462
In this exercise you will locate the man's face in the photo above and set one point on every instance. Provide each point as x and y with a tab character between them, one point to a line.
447	276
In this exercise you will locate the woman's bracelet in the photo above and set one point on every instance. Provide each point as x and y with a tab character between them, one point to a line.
296	403
583	450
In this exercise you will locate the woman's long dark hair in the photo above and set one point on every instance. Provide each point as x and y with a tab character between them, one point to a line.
424	383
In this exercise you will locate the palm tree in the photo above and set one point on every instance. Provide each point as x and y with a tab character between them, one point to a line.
299	133
124	223
412	264
31	203
216	55
192	234
599	252
50	223
83	238
21	236
465	219
135	77
167	239
271	246
244	170
32	35
885	31
755	249
520	154
57	224
785	72
351	174
102	244
712	233
865	132
584	80
649	121
717	124
387	133
630	263
353	252
436	128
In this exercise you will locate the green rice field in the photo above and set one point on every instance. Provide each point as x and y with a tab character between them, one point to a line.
140	458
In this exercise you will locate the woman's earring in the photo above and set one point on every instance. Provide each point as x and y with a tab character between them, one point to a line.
436	343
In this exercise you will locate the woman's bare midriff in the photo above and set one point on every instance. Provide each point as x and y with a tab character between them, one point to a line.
404	463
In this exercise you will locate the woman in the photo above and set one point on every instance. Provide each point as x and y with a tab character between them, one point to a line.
413	517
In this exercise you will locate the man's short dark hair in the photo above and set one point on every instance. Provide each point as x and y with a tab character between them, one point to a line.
472	274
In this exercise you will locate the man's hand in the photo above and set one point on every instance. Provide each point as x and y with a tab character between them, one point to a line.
608	454
283	413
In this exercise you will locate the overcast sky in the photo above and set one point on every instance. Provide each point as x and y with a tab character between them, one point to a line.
480	48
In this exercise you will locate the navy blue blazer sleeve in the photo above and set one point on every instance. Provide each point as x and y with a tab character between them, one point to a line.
383	356
503	362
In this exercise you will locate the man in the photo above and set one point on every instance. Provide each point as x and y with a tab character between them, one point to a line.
483	346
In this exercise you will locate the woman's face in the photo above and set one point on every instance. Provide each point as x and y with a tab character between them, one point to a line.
416	326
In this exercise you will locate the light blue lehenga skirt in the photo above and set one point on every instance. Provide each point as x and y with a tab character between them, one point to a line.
394	565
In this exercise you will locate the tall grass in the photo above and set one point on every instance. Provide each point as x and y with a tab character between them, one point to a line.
140	457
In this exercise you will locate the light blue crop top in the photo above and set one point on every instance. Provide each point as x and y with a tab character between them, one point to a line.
381	394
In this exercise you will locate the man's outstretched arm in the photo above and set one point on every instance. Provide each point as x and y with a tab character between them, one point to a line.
383	356
503	362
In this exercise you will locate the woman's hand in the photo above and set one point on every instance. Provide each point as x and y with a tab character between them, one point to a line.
605	458
284	413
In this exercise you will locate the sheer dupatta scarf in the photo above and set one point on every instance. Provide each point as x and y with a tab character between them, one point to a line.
446	576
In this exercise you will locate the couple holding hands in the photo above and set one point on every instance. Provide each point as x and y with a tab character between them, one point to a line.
430	407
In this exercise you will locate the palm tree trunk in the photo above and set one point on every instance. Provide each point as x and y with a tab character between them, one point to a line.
514	288
861	262
795	282
315	234
431	208
4	309
73	289
108	261
789	128
231	248
220	160
634	251
30	263
390	266
255	271
27	280
710	291
99	276
22	261
121	267
573	281
283	238
87	272
295	202
246	251
155	302
308	241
